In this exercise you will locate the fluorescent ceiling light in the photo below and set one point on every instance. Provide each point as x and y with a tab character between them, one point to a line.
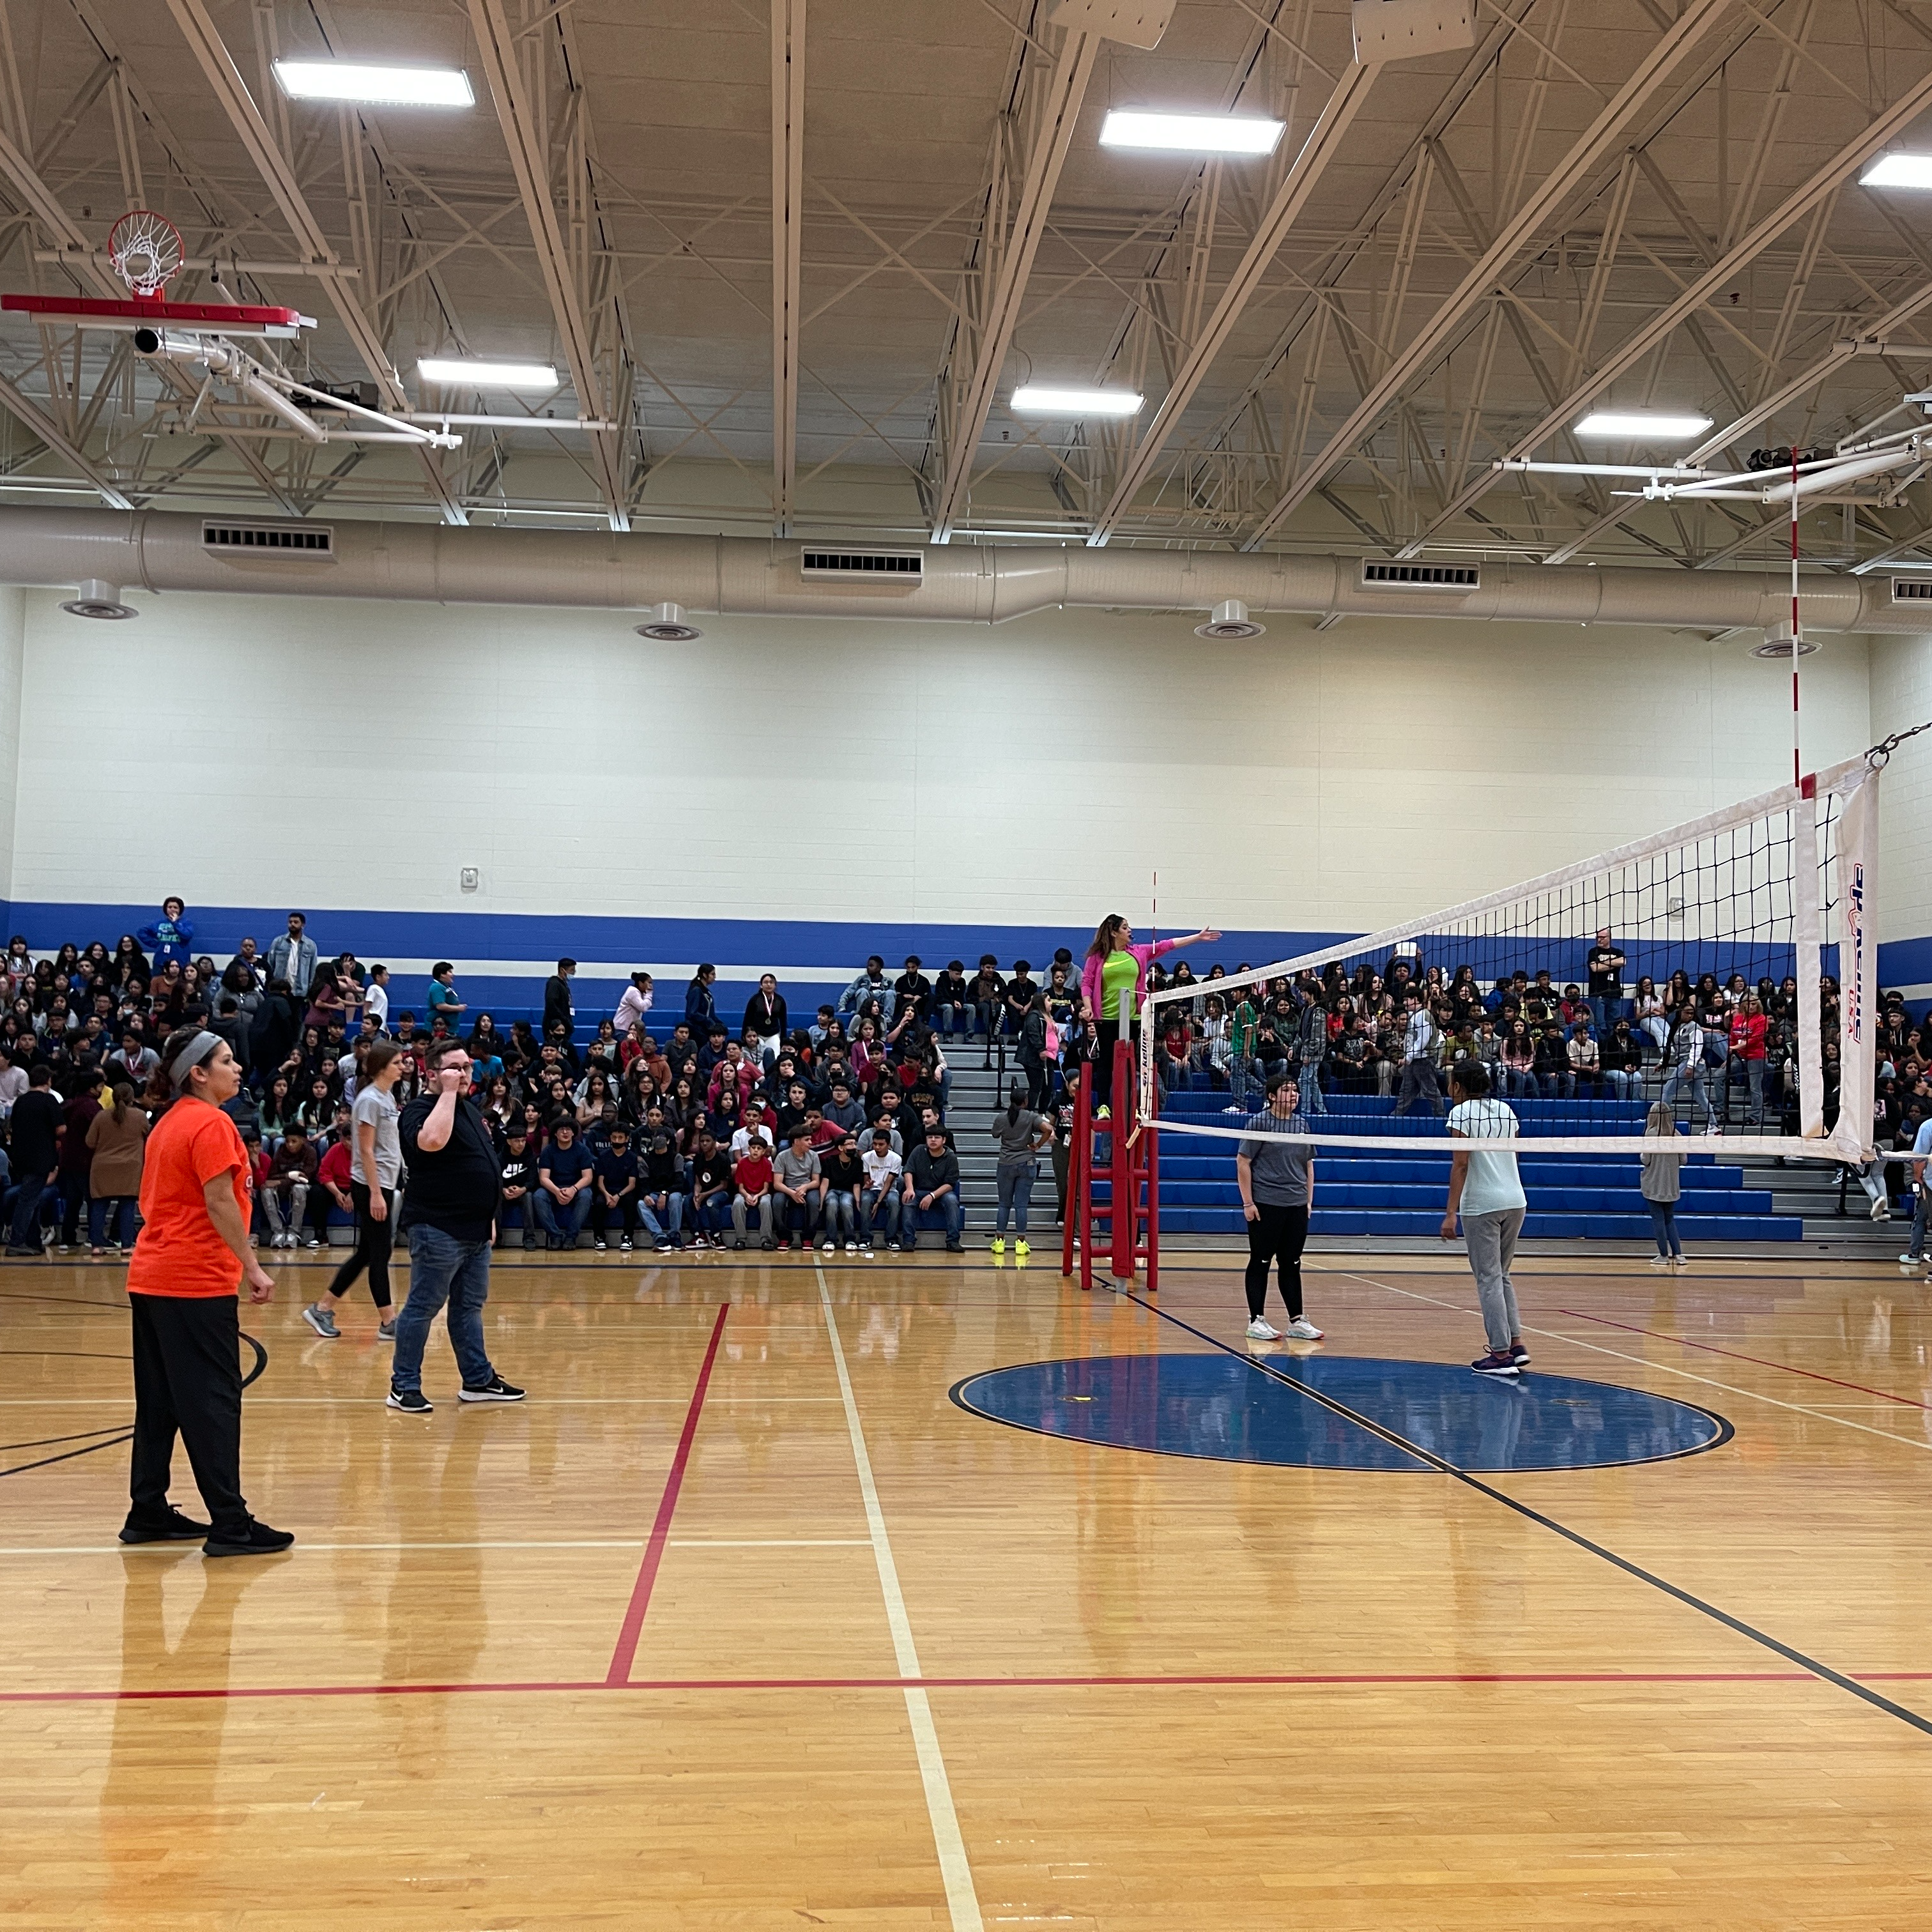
382	86
1191	133
470	375
1898	171
1642	425
1036	399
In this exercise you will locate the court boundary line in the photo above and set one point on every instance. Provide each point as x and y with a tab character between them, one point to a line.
1735	1355
1190	1681
625	1653
1661	1368
962	1899
1763	1638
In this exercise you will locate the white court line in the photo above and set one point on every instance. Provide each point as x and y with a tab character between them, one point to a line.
632	1543
1662	1368
961	1901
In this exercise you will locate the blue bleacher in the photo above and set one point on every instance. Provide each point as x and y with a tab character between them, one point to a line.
1402	1190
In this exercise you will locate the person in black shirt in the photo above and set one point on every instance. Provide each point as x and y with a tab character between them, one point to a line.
557	1011
951	1002
449	1212
615	1188
913	991
710	1193
37	1116
988	990
662	1179
845	1177
518	1176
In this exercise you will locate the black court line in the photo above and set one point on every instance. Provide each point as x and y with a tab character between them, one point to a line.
47	1441
1822	1671
127	1435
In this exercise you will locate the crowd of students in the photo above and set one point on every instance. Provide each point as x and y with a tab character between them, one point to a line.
679	1129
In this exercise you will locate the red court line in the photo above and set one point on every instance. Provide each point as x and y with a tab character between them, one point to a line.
1711	1348
1153	1681
622	1657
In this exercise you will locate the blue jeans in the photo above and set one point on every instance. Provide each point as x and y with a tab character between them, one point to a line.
1664	1224
912	1217
1694	1076
1625	1083
712	1215
444	1269
1309	1082
1752	1073
559	1221
796	1216
1606	1009
841	1215
120	1209
1559	1086
873	1203
1916	1246
947	1014
26	1231
1015	1190
660	1214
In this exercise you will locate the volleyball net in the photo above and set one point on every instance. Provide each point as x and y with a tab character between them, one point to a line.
1760	914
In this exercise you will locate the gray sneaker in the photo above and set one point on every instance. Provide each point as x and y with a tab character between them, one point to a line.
318	1318
385	1331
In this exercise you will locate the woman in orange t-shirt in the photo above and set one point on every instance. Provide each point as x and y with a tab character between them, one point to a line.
193	1253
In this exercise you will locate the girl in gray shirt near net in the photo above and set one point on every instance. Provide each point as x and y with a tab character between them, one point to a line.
376	1165
1277	1179
1019	1133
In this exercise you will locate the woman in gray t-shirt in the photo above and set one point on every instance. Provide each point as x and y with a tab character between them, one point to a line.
1277	1183
1019	1133
375	1164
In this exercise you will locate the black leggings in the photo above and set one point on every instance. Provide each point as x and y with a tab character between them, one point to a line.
1275	1235
373	1240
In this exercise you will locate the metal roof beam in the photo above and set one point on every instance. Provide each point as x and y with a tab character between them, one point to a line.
232	91
496	39
1794	207
1006	251
788	223
1667	53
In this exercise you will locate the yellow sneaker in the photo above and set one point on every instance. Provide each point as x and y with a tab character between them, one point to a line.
1020	1248
999	1244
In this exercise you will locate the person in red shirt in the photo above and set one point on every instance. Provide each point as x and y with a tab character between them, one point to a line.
752	1178
1747	1029
192	1255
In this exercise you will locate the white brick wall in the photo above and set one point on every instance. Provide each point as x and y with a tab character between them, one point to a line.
340	753
1901	696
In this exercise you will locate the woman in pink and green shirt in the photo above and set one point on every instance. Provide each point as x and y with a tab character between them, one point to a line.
1116	969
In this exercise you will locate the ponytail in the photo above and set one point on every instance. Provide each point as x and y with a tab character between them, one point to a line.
1017	1095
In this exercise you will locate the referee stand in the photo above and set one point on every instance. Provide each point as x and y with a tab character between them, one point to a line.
1119	1156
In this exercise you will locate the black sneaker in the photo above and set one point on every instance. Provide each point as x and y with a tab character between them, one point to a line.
411	1401
172	1528
769	1245
1499	1362
30	1254
261	1540
495	1390
1519	1354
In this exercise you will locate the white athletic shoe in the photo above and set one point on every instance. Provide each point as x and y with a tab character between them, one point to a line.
851	1247
1259	1331
1660	1261
1881	1209
1302	1330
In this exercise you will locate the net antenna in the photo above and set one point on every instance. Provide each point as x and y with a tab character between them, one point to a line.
146	250
1773	899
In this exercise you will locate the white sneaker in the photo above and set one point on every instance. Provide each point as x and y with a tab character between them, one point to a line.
1714	1132
831	1247
1881	1210
851	1247
1660	1261
1303	1330
312	1242
1259	1331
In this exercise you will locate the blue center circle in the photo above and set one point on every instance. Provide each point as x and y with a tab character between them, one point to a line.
1223	1408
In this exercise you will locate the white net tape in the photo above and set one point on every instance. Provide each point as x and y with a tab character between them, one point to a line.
1736	986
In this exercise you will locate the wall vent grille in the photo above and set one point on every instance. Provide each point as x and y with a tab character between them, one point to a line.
1421	576
907	566
1911	589
277	539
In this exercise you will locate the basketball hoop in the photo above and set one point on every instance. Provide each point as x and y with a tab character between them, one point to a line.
146	249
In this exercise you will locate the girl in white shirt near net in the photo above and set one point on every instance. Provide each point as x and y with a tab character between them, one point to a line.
1486	1191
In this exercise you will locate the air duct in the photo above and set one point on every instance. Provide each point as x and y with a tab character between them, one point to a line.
422	562
95	598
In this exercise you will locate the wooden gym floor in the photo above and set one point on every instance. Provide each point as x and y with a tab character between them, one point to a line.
741	1622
